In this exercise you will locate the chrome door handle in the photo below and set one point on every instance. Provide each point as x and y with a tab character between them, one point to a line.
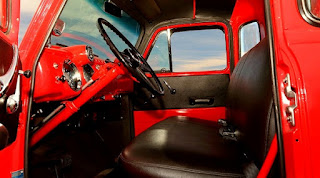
290	94
13	100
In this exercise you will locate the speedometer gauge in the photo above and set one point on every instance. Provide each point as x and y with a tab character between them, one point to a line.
72	75
87	72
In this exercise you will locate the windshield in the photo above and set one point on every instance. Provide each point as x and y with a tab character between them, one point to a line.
80	17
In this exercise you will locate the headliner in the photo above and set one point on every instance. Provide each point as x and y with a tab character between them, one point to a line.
153	12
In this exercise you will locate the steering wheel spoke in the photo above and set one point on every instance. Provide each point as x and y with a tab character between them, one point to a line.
132	59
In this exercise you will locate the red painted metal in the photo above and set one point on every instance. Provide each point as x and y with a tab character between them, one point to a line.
10	18
71	107
315	7
296	46
145	119
47	86
4	16
12	157
194	9
254	11
296	49
271	156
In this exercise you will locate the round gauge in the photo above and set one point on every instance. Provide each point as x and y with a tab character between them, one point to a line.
72	75
87	72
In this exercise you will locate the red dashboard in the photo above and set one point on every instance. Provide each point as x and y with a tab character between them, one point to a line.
64	72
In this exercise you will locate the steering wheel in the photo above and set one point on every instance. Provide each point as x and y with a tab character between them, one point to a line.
132	59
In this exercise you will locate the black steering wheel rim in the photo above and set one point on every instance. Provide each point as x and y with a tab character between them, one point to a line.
136	71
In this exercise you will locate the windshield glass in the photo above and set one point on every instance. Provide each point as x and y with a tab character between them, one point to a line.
27	10
80	17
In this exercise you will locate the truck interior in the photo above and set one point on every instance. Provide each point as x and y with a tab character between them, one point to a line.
154	88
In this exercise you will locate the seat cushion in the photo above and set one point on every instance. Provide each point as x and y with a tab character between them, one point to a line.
182	147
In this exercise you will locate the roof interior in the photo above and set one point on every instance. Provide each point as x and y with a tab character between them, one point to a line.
153	12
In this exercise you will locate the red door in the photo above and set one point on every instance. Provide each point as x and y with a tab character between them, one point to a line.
10	100
297	43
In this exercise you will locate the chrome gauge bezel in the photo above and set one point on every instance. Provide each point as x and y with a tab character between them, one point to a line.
72	75
87	72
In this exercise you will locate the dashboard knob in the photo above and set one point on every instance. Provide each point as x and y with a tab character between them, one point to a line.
89	53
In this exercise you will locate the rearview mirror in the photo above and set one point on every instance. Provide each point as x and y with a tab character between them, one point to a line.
112	9
58	28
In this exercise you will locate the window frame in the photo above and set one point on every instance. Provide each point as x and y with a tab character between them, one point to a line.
225	27
5	27
307	15
169	50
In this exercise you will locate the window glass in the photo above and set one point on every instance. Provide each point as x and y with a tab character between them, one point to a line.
198	50
314	7
27	10
159	56
80	17
249	37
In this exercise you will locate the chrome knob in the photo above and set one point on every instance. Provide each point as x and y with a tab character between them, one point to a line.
12	104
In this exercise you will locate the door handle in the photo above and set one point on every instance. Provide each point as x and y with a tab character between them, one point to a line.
290	94
13	100
194	101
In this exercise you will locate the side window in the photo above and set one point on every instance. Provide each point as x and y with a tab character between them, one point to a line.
189	50
4	15
198	50
249	37
159	56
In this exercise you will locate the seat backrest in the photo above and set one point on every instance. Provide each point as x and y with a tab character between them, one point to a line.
250	104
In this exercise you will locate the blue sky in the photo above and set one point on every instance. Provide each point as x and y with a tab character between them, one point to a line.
27	9
191	50
198	50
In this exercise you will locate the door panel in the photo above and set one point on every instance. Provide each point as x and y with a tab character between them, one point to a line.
149	111
9	66
296	47
8	80
188	88
10	105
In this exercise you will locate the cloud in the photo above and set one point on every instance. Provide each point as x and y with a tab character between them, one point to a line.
29	6
209	64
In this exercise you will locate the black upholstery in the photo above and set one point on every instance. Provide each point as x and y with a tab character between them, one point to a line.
4	136
182	146
189	147
250	101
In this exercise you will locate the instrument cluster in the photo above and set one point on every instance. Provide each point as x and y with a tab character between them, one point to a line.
63	72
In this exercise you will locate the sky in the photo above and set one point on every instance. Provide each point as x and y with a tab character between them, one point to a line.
199	50
27	10
80	17
192	50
